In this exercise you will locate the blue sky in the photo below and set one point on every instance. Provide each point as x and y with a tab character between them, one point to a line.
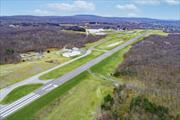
160	9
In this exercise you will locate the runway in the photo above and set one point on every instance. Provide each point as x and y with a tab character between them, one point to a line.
48	87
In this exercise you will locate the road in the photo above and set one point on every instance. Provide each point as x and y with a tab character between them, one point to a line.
9	109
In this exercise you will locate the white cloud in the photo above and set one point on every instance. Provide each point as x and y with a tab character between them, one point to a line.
130	9
41	12
173	2
132	15
77	5
148	2
157	2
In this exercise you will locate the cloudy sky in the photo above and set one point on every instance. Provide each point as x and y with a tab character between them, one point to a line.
161	9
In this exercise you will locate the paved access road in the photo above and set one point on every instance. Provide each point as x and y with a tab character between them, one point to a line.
9	109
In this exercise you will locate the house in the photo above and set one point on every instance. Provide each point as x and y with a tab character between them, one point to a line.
95	31
72	52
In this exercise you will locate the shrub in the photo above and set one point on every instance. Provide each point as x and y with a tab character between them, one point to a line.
143	103
9	51
108	102
136	101
127	71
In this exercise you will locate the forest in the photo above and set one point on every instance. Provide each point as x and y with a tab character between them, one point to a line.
19	39
154	60
153	64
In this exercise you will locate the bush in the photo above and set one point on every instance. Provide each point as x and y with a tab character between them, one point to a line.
127	71
9	51
143	103
108	102
139	108
136	101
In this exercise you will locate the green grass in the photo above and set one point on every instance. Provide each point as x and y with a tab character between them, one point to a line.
19	92
108	65
109	37
117	37
80	103
29	111
67	68
12	73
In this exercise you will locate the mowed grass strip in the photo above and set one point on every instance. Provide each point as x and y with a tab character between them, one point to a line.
80	103
29	111
115	38
19	92
108	65
67	68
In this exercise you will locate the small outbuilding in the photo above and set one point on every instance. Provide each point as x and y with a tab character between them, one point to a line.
72	52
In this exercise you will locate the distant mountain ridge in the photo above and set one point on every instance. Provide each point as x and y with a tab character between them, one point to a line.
83	18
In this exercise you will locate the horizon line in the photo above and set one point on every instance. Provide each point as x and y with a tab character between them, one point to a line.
88	15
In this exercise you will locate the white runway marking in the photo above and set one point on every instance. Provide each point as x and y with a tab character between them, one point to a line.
18	104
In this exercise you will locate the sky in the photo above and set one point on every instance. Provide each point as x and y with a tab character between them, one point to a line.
159	9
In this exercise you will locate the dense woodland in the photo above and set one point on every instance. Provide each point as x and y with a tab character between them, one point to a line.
14	41
154	60
155	63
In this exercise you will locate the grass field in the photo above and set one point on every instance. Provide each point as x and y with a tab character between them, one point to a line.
120	37
67	68
80	103
109	37
20	92
29	111
12	73
107	66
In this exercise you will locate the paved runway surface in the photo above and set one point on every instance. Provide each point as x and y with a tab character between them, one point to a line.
9	109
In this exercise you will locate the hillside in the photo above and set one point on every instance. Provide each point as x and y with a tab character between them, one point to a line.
82	18
96	22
